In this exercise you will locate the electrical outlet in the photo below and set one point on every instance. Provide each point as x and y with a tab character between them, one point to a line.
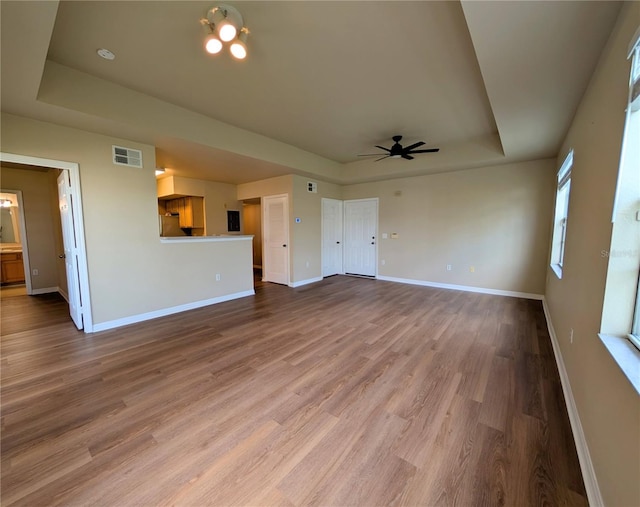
383	262
307	263
217	277
571	336
448	267
35	272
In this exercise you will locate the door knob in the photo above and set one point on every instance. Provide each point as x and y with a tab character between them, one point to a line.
63	256
373	243
285	246
337	242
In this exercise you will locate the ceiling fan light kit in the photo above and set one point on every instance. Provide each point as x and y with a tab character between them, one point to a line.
224	24
398	151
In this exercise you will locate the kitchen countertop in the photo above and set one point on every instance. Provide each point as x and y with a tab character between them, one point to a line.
204	239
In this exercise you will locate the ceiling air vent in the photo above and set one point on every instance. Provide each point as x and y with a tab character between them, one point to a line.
312	187
127	156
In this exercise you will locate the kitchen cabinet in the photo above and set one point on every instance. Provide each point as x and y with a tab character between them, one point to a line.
11	267
190	209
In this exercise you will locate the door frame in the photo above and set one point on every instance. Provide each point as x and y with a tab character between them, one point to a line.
265	231
377	239
78	223
322	229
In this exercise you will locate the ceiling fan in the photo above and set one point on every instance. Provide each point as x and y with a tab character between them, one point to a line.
398	151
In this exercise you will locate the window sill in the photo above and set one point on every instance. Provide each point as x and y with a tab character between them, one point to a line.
626	355
557	270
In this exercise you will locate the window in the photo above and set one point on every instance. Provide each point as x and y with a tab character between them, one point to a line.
560	216
621	309
631	158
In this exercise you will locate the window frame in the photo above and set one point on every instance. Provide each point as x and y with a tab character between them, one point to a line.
559	237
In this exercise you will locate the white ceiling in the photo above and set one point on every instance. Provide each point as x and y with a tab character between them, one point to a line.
487	82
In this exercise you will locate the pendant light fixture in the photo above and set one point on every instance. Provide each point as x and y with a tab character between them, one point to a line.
224	24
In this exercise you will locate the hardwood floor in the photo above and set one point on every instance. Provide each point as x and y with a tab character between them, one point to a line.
344	392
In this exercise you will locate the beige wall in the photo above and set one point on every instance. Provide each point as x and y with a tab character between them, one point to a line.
608	406
130	271
495	219
218	198
40	221
307	235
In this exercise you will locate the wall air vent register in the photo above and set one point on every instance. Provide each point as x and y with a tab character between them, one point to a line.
127	156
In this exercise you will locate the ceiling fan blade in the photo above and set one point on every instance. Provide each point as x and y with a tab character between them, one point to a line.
386	156
409	148
431	150
383	148
370	154
408	157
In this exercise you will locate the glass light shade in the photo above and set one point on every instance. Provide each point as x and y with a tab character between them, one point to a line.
212	44
239	50
227	31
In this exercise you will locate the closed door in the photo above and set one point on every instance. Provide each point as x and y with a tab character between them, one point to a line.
332	220
360	237
276	239
65	197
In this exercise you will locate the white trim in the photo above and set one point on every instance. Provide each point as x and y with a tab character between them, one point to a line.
586	465
635	40
626	356
133	319
265	234
74	177
377	233
305	282
466	288
557	269
45	290
64	295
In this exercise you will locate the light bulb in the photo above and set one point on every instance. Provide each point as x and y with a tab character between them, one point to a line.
212	44
227	31
239	50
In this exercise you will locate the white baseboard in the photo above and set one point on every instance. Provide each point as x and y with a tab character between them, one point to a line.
44	290
466	288
111	324
586	465
305	282
63	294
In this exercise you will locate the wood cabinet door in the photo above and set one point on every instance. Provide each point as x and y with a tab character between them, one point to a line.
197	211
12	268
186	213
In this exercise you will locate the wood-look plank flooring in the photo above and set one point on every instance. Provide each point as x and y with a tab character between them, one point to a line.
344	392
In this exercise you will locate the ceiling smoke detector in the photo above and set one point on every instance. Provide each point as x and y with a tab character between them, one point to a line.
106	54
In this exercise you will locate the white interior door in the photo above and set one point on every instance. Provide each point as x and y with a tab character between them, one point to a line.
332	220
275	212
65	199
360	237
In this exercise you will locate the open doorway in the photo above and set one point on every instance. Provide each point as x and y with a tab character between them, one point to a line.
252	221
43	248
14	261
